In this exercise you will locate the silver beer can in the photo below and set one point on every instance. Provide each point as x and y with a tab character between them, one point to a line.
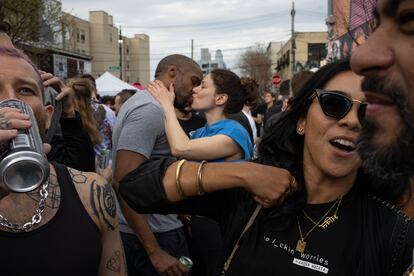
104	157
23	166
186	262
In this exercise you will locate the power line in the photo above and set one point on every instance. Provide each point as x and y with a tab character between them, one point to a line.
210	23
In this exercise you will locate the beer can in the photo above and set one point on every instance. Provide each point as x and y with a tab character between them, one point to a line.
23	166
186	262
104	158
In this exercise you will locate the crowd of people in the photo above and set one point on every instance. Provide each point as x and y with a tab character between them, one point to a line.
192	176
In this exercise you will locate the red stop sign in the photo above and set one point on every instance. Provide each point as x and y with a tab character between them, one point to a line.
276	79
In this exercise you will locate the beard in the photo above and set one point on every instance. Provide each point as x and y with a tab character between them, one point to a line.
182	99
390	166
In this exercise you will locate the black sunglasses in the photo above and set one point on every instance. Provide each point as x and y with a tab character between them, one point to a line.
337	105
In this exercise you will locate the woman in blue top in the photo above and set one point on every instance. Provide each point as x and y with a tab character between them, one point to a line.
220	94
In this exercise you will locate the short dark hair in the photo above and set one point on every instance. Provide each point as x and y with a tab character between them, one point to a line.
239	91
298	81
107	98
176	59
125	94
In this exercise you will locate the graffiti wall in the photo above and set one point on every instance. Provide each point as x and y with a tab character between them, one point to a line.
350	23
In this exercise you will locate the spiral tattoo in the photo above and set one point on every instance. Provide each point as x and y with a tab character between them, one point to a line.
103	203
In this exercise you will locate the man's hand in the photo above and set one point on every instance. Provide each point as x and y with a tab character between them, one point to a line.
166	264
11	119
269	185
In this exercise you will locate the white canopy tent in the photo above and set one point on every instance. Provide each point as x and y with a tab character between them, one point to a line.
109	85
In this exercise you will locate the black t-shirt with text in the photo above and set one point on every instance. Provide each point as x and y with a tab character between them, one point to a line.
357	243
329	251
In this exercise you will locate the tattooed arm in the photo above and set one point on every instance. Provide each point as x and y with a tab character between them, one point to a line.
99	199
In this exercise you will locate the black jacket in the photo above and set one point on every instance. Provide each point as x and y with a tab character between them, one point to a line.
378	241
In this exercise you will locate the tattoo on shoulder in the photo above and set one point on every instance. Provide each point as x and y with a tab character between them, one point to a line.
53	189
114	262
103	203
78	176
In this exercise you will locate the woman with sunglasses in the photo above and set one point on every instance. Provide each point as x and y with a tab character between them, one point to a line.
330	226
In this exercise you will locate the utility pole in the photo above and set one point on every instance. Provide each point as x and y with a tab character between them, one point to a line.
192	49
293	44
120	41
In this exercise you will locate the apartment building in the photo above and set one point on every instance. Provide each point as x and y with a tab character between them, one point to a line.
310	52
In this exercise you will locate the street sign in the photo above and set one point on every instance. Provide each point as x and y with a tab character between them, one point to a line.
114	68
276	80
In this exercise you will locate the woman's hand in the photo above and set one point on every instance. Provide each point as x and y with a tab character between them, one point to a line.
65	93
269	185
163	95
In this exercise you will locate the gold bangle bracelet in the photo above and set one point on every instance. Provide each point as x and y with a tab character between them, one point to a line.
200	190
177	178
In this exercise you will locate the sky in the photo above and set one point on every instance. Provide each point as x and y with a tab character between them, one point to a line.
230	25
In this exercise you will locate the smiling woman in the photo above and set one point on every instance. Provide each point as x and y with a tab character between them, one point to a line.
331	224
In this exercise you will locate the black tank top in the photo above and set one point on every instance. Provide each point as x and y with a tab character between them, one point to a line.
69	244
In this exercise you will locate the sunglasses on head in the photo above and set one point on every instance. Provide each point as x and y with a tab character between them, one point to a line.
337	105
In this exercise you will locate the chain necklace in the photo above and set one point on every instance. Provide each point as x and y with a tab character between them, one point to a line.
301	244
328	220
37	217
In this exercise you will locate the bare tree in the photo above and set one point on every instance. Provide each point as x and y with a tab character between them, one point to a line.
256	63
32	21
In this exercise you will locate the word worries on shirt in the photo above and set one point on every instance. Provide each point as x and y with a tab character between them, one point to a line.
314	262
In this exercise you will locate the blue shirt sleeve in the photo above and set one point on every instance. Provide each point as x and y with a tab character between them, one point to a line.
240	135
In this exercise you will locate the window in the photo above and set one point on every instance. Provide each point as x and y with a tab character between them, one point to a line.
316	53
110	37
82	36
77	35
127	50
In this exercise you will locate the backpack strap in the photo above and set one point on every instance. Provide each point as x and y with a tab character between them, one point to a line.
249	223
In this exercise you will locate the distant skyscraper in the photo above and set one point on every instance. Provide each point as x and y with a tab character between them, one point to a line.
207	64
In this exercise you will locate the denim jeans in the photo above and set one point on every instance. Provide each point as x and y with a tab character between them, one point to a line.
138	262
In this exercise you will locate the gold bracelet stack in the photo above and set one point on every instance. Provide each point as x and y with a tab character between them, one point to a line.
177	178
200	190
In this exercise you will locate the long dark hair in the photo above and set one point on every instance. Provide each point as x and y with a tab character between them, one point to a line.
282	147
240	91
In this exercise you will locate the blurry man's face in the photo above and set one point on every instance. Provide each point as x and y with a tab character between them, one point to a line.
19	80
117	104
386	60
187	78
268	98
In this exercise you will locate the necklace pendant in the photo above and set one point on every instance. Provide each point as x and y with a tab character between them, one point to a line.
300	246
328	221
